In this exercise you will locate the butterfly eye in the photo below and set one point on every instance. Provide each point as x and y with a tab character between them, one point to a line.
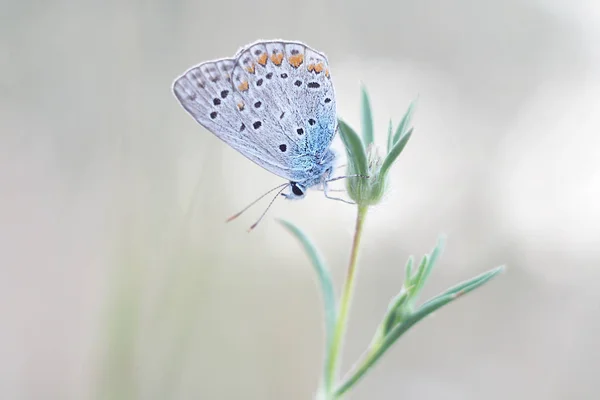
297	190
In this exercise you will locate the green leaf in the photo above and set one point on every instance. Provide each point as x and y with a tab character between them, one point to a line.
397	303
469	285
389	136
404	123
423	311
325	281
357	156
408	271
367	118
394	153
417	279
424	273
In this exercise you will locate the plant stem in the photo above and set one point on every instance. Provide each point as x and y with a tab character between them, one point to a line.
342	317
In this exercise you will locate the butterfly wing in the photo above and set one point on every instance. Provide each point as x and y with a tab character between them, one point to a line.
206	93
288	86
274	103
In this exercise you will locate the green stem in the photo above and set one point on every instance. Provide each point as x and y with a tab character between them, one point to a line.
342	317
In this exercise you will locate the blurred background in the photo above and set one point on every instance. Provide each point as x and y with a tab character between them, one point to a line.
120	280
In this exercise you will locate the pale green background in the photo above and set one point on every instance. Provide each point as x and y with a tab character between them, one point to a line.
119	281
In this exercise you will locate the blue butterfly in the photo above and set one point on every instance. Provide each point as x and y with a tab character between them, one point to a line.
274	102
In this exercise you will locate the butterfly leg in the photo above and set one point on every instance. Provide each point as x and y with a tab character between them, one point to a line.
334	198
331	190
346	176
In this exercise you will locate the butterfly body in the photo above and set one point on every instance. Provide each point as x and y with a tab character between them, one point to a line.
273	102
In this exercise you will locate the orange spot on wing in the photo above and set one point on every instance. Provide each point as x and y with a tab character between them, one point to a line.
318	68
277	58
250	68
296	60
240	105
327	72
243	86
262	59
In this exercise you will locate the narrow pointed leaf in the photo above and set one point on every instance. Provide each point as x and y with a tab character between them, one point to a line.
325	282
367	118
390	318
394	153
408	271
355	149
419	275
426	271
404	123
469	285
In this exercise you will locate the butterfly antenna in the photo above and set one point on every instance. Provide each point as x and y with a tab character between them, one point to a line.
267	209
282	186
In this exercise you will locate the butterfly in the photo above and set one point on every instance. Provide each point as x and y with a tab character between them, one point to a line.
274	102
